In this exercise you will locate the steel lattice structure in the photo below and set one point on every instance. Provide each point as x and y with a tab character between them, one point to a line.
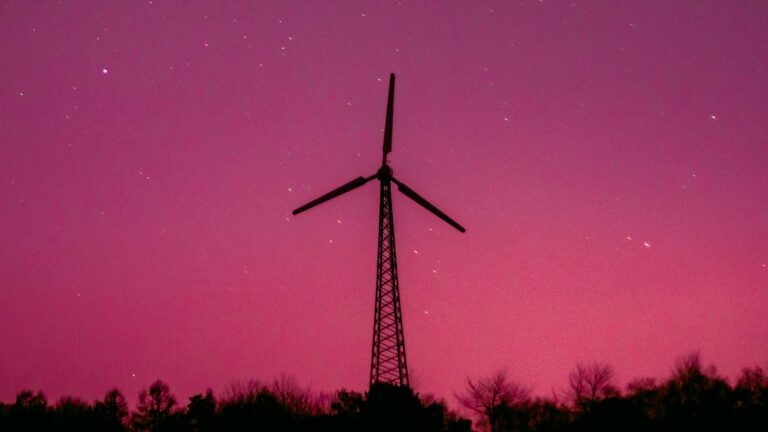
388	364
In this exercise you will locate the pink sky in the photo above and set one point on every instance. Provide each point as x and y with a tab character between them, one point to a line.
609	160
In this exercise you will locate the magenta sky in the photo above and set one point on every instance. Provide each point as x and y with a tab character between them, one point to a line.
608	159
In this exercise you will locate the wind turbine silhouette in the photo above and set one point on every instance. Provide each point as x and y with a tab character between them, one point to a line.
388	363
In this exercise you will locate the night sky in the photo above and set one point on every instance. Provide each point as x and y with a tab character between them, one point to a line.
608	159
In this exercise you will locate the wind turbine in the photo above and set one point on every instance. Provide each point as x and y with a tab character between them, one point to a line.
388	363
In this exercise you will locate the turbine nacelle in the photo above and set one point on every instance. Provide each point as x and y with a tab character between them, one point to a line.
384	173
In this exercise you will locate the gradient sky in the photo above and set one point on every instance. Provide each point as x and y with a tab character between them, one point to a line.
609	160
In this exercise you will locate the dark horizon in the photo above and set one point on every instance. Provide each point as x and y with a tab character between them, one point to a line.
512	375
692	396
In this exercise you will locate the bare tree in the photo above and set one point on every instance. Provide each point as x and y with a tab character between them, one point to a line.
690	367
753	381
297	400
591	383
490	398
239	392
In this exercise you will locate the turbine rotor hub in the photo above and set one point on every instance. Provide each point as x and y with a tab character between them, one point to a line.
384	173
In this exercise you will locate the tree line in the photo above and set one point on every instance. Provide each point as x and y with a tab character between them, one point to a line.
691	398
281	405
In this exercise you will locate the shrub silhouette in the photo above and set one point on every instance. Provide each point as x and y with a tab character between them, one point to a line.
201	412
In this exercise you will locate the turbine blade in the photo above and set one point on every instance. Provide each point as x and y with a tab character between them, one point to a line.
388	125
426	204
354	184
